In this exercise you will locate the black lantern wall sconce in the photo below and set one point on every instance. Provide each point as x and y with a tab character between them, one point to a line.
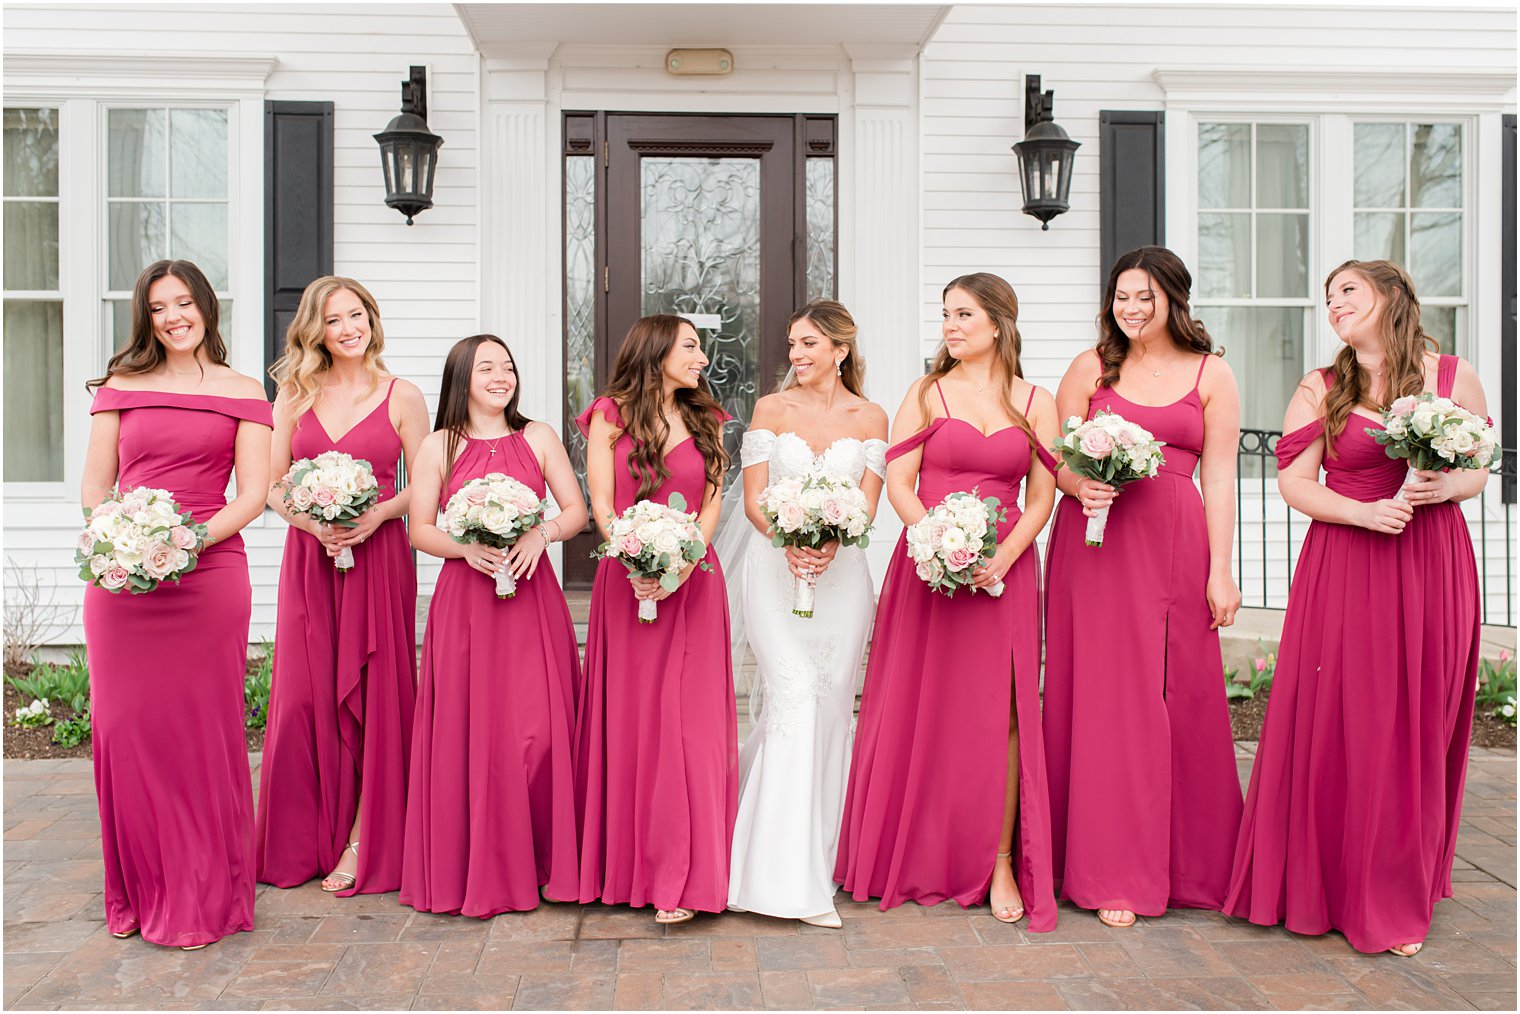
409	151
1045	156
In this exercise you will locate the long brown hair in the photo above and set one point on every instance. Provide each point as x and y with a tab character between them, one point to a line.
143	353
1168	273
839	327
995	296
306	357
454	396
638	387
1404	344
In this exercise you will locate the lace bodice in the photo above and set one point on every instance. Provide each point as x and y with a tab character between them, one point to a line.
789	455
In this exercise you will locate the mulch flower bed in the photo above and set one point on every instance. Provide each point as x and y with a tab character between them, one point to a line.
1246	716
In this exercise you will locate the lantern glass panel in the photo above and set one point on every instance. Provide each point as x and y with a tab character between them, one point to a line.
406	154
387	153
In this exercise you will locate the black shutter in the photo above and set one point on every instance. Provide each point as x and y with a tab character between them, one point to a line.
298	212
1507	322
1132	182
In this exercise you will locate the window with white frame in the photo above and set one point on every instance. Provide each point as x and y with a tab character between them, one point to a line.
33	298
1253	291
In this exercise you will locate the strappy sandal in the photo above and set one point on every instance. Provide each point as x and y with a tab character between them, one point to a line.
1013	914
666	917
1116	923
343	880
1403	950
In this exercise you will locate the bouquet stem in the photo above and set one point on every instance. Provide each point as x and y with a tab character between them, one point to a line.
1095	526
803	593
1409	477
345	559
648	610
506	584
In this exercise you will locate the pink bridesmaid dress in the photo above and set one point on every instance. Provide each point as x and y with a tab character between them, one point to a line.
342	689
166	691
1351	818
491	814
1144	794
928	780
657	754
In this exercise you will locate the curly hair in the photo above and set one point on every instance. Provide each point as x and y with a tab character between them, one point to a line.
306	357
1168	273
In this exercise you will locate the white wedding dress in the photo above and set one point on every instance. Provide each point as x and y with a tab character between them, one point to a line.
793	767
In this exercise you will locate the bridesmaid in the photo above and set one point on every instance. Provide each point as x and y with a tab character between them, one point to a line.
1144	795
947	795
793	767
340	703
490	819
167	668
656	751
1352	815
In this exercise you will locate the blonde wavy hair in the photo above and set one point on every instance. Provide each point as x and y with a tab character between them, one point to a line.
306	358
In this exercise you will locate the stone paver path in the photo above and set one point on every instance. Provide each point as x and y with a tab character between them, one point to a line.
314	951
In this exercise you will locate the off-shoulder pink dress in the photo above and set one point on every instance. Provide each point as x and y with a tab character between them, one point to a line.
1144	793
657	753
343	686
166	691
928	779
490	817
1352	814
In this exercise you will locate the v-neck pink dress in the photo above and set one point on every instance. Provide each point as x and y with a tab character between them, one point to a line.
1144	794
166	691
1356	796
343	686
928	779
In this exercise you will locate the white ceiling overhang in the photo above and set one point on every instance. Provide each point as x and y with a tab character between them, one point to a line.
505	26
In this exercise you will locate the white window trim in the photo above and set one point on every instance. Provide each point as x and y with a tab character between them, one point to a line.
1334	99
80	86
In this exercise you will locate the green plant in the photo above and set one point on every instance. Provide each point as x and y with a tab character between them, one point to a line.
1496	688
67	684
256	687
1244	685
72	731
35	715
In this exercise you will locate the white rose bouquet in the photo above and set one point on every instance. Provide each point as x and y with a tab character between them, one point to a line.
495	510
812	510
1434	434
654	540
1111	450
955	538
334	488
137	539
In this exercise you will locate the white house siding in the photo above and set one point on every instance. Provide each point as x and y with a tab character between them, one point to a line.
425	277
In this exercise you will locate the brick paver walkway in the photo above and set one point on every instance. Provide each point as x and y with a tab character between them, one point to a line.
314	951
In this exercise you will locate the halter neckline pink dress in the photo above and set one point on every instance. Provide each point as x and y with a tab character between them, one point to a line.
1356	795
342	688
657	754
928	779
166	691
1144	794
490	816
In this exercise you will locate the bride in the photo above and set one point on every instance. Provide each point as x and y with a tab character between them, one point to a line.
793	767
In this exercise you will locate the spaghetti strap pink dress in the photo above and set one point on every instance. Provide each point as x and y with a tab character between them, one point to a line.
928	779
657	753
1144	795
342	689
166	691
1352	814
490	818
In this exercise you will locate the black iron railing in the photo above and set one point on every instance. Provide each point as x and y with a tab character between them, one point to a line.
1269	534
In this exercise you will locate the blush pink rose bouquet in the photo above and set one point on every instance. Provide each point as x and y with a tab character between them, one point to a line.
1111	450
494	510
1434	434
656	540
954	539
812	510
137	539
332	488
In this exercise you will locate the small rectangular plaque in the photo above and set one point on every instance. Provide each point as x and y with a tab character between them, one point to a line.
704	321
